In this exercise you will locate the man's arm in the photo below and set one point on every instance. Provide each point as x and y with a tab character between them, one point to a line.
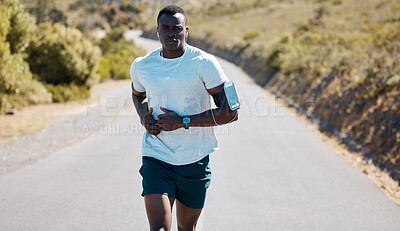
222	114
146	118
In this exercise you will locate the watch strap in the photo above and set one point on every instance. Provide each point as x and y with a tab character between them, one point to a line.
186	122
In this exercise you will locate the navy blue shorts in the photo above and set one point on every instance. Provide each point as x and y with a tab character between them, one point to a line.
187	183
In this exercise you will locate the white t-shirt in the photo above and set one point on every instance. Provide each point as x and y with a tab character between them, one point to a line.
179	85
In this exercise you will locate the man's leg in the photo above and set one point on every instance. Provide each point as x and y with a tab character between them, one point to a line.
187	217
159	211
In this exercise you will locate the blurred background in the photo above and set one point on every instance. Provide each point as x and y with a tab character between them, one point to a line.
336	61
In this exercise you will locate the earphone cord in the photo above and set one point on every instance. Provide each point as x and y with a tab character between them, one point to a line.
212	113
173	71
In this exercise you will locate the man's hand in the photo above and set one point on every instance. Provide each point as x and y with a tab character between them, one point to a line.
169	121
150	123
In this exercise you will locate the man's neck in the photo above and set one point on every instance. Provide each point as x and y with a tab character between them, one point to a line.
172	54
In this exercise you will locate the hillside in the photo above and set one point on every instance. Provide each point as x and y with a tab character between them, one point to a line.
337	60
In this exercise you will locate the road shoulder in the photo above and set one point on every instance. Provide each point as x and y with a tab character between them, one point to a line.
34	132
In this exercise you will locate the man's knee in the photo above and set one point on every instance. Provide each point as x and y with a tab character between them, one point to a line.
186	227
160	224
161	227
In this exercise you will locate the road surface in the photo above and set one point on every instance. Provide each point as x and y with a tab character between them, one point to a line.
271	173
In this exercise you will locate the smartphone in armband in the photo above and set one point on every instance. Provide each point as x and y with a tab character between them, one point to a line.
231	96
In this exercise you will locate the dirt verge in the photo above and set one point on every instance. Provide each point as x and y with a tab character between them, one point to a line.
35	132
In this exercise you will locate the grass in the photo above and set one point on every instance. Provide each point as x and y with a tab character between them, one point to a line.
270	22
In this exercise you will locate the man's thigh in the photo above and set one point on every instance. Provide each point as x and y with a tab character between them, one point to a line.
159	210
187	217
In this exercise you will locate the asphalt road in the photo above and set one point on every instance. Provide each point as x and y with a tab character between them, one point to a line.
271	173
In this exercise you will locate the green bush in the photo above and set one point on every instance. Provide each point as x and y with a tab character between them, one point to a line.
21	26
250	34
116	65
129	7
62	93
57	15
115	16
60	55
17	87
337	2
113	36
118	54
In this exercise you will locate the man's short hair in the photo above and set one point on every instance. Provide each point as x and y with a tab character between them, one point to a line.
171	10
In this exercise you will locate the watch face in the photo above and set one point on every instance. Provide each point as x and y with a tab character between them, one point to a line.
186	120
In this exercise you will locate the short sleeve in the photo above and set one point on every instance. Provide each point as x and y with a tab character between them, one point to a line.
211	73
135	80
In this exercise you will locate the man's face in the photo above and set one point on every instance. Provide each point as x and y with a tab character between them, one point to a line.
172	30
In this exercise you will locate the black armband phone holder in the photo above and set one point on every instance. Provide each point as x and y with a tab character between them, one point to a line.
219	99
228	96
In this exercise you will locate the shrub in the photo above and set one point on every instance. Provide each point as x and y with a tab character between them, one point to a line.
57	15
129	7
118	54
17	88
60	55
62	93
21	26
251	35
114	35
337	2
76	5
115	16
116	65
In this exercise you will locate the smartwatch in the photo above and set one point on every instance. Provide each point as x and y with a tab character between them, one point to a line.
186	122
